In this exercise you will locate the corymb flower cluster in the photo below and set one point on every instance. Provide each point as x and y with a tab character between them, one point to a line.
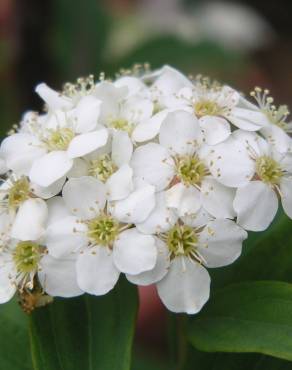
153	175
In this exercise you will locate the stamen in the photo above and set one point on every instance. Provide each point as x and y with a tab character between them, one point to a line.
102	168
190	169
103	230
268	170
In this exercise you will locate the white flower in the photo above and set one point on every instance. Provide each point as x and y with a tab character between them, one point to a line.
105	240
277	130
178	163
216	107
165	83
46	148
121	109
256	203
185	247
24	256
110	165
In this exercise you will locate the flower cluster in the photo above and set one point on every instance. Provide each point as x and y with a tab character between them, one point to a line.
153	175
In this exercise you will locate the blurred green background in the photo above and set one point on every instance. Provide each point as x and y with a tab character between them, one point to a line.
243	43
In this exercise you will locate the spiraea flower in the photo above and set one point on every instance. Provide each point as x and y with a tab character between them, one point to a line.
102	235
154	175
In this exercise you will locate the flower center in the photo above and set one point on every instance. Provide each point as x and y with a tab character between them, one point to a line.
27	256
191	170
122	124
181	240
102	168
18	193
103	230
60	139
206	108
268	170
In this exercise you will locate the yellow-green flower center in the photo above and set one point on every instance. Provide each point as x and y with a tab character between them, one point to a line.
182	240
18	193
60	139
27	256
207	108
122	124
268	170
103	230
102	168
191	170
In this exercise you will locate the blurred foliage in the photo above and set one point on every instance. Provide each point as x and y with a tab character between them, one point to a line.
77	41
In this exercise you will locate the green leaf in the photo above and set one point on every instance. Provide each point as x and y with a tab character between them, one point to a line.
88	333
266	256
233	361
246	317
14	340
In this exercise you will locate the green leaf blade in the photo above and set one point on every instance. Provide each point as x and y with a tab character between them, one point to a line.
90	333
247	317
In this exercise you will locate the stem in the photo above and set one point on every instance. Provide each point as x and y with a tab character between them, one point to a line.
181	342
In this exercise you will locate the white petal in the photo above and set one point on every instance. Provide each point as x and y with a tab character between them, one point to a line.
134	252
80	168
5	222
3	167
170	81
111	96
247	119
120	184
153	163
50	168
122	148
96	272
187	200
190	201
286	195
199	219
253	142
161	219
7	288
221	243
158	272
133	84
148	129
136	207
52	98
57	210
20	151
256	205
217	199
215	129
30	220
230	163
85	196
87	143
65	236
186	287
137	109
86	114
49	191
277	137
58	277
180	132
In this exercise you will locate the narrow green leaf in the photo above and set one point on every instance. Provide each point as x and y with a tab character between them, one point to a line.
246	317
88	333
14	341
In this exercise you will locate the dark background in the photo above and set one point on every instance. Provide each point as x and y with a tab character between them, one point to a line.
243	43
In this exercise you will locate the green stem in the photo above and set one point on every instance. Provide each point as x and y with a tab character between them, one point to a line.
181	342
